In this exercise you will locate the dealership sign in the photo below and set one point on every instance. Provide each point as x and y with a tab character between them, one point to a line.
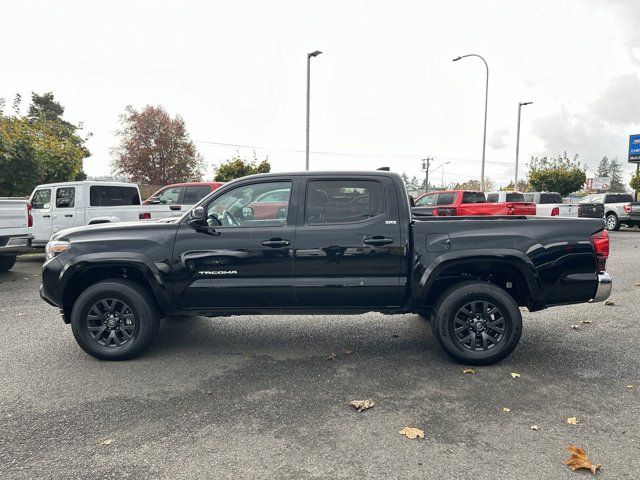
634	148
598	183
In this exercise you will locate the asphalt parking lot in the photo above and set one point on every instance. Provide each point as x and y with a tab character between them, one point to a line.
263	397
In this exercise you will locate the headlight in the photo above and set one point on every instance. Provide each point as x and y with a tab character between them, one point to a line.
56	247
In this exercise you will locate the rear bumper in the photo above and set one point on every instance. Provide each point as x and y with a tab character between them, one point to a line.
605	282
15	245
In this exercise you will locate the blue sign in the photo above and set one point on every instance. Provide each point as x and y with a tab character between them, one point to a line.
634	148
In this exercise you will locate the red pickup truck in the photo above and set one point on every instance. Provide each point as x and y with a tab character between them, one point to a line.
466	203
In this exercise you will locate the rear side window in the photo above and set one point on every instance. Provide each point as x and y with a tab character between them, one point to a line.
473	197
546	198
446	198
618	198
194	194
515	197
492	198
529	197
65	197
112	196
343	201
41	199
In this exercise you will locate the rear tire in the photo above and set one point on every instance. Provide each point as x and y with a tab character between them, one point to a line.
114	320
7	262
612	223
477	323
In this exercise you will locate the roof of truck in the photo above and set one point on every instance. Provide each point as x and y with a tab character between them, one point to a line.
87	182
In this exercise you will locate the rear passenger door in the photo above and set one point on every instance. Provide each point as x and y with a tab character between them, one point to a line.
348	246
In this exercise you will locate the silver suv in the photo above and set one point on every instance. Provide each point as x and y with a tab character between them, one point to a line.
619	209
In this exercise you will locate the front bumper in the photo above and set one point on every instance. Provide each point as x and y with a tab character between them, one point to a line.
605	282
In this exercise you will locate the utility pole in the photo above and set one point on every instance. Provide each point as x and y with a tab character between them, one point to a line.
426	164
309	57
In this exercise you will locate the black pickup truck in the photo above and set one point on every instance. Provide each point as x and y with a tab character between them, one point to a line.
322	242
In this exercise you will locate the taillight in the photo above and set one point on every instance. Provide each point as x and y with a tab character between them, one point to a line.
627	208
445	212
600	242
144	216
29	216
555	211
511	210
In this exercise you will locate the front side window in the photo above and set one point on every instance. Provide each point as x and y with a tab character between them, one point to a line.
168	196
65	197
112	196
41	199
429	199
195	193
243	206
343	201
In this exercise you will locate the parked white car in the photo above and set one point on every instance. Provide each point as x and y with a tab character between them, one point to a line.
15	230
549	204
57	206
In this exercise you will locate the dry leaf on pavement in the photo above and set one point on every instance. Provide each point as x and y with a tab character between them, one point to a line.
515	375
572	421
637	284
586	322
579	459
535	427
106	441
610	303
332	356
575	327
412	433
628	386
361	405
470	371
506	409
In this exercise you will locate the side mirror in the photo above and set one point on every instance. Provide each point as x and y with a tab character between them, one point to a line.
196	217
248	213
153	201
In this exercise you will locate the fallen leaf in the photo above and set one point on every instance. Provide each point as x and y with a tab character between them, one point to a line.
332	356
361	405
610	303
572	421
586	322
348	352
412	433
106	441
579	459
535	427
506	409
469	371
515	375
575	327
637	284
628	386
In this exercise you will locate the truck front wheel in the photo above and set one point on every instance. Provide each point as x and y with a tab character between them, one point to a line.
477	323
114	320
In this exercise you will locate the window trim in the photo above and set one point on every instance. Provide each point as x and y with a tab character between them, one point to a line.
346	179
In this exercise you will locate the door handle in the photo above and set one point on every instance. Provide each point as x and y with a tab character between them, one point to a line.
175	207
276	242
68	215
377	241
46	216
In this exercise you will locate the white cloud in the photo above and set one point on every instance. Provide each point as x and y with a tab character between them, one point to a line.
497	139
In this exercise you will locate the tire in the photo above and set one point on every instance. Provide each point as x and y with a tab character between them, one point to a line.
471	344
106	312
7	262
612	223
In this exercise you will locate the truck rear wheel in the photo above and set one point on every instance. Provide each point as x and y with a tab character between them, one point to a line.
114	320
7	262
477	323
612	223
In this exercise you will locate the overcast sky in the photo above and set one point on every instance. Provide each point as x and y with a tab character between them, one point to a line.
384	92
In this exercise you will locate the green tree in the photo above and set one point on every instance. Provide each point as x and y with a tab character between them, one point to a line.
40	147
556	174
474	185
155	148
237	167
635	183
611	169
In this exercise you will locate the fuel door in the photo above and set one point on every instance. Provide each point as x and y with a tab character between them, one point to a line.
438	242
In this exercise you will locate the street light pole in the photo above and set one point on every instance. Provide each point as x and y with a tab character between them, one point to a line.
309	55
486	101
520	105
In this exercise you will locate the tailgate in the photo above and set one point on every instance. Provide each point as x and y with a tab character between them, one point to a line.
635	207
591	210
13	217
568	209
521	208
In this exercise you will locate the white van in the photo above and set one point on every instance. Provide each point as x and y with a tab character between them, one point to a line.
56	206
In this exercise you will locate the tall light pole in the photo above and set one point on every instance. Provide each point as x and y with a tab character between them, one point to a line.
520	105
486	100
309	55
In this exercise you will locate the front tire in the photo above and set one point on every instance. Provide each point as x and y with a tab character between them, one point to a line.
477	323
7	262
114	320
612	223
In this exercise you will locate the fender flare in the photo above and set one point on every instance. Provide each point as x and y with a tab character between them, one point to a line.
511	257
151	271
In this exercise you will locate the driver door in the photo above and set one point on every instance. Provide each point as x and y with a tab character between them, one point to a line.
245	259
